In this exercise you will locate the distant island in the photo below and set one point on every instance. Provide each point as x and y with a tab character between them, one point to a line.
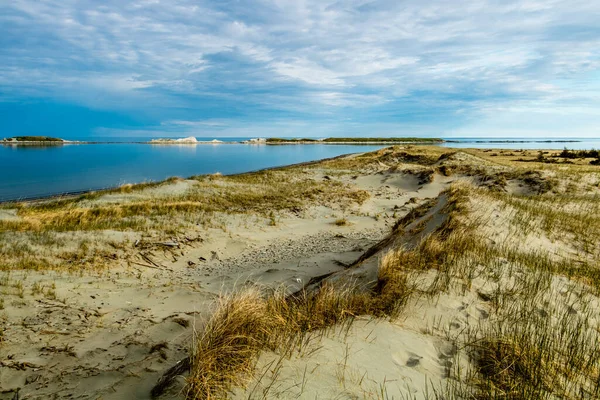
355	140
47	140
340	140
35	140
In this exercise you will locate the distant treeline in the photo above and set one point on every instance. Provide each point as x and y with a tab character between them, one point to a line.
33	139
358	140
280	140
572	154
568	155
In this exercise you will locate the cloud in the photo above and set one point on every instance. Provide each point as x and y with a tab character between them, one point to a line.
372	63
194	123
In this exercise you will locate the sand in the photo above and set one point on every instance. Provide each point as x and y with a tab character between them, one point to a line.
111	334
102	328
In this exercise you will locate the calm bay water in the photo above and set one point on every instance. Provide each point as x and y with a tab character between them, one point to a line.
29	172
515	144
47	170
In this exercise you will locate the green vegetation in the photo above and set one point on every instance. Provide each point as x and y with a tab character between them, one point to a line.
280	140
532	346
33	139
567	156
383	140
566	153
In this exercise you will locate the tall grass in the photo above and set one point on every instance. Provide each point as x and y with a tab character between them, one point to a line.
540	340
248	322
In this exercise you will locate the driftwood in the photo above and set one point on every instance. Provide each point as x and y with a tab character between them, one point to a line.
146	258
146	245
168	377
53	332
143	265
169	244
19	365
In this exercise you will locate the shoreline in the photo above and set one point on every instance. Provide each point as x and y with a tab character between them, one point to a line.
109	189
277	141
67	142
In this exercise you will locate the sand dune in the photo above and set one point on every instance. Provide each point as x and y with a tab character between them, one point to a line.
108	318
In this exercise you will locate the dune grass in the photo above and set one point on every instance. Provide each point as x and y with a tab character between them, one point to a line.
151	209
262	193
341	222
248	322
539	341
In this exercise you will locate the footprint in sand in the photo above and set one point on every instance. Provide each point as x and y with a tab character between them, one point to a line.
413	360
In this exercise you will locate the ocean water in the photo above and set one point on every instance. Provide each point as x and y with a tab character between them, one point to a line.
32	172
524	143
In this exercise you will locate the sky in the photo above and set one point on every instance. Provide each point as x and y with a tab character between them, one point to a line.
307	68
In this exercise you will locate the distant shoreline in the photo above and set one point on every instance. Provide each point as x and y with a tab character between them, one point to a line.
107	189
261	141
513	141
281	141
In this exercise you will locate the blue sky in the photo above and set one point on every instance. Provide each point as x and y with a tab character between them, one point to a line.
502	68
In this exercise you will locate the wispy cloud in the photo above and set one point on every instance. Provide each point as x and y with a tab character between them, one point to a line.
460	69
194	123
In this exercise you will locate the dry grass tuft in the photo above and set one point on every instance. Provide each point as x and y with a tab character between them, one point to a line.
248	322
508	369
226	350
341	222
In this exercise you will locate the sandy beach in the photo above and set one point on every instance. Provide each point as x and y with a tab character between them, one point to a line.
496	250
